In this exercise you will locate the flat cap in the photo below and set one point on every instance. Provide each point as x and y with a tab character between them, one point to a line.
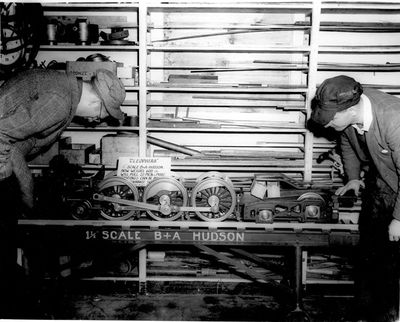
334	95
111	91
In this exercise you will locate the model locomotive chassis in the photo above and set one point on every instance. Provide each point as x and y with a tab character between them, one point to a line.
308	207
211	198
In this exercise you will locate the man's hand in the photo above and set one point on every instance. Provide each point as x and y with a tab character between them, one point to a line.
354	184
394	230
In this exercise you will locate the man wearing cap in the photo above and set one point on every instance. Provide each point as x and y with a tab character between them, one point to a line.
369	122
36	106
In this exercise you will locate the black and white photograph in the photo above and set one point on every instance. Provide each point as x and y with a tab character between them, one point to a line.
187	160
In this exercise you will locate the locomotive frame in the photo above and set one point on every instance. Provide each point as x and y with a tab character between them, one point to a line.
212	198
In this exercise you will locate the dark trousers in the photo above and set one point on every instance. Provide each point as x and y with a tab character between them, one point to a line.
377	268
10	203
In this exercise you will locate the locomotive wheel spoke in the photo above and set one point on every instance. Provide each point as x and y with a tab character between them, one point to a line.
117	186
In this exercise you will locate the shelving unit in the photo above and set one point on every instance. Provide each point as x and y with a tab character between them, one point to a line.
183	32
154	92
105	16
263	59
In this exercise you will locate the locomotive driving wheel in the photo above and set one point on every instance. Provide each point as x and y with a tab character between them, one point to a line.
216	192
121	188
169	194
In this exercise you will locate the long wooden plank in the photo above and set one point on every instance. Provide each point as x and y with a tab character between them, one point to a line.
232	225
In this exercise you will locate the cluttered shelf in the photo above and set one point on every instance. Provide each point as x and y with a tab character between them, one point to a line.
69	47
103	128
89	6
282	6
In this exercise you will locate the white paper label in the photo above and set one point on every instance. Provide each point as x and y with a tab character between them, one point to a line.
140	171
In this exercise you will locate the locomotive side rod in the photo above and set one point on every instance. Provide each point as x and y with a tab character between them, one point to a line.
147	206
136	204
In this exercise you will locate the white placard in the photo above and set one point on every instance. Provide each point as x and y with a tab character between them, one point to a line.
140	171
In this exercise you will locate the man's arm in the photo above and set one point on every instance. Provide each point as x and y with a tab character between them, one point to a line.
351	165
351	162
392	135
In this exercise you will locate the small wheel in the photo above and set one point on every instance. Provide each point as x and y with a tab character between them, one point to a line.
312	211
168	193
80	210
124	267
117	187
217	193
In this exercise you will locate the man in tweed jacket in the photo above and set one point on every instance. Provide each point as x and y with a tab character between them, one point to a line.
369	122
35	108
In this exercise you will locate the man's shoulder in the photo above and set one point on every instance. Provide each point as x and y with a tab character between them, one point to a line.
51	81
39	73
380	98
375	92
46	75
372	93
36	78
36	83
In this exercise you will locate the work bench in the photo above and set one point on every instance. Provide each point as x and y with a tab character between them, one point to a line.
204	235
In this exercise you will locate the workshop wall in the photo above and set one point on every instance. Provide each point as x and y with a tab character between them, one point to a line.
230	50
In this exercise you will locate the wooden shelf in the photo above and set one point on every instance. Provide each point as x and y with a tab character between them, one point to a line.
233	129
236	27
224	89
130	102
287	67
232	49
132	88
361	6
279	105
89	6
83	166
266	5
359	49
243	166
103	128
88	47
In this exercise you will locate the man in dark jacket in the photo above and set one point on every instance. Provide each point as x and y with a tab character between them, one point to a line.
36	106
369	122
